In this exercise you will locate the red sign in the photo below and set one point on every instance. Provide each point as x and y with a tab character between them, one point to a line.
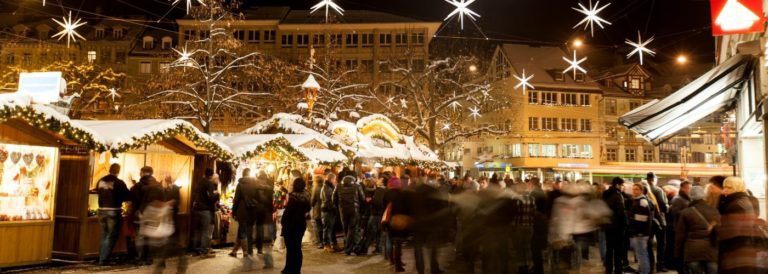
737	16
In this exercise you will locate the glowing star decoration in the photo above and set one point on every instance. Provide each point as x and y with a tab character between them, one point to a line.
640	47
184	54
524	82
446	126
113	93
456	104
474	112
462	10
591	16
736	16
189	3
43	3
68	30
390	100
575	64
404	103
327	4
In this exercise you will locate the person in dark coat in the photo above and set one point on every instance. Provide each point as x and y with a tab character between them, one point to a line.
328	213
640	227
137	248
659	199
615	233
246	206
676	205
316	201
540	226
265	188
737	251
204	199
695	235
294	224
348	197
112	192
166	194
398	227
430	214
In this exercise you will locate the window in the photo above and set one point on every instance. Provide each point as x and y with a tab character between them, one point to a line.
516	150
401	39
148	42
204	34
302	40
634	104
10	59
584	100
549	150
165	67
568	99
189	34
335	39
318	39
549	124
254	36
418	64
352	64
579	78
549	98
533	150
586	125
630	155
120	57
99	33
352	40
145	68
648	155
385	39
610	154
610	106
287	40
568	124
417	38
635	82
569	151
367	40
239	35
106	57
167	42
26	59
367	65
118	33
269	36
586	151
91	56
533	97
559	77
533	123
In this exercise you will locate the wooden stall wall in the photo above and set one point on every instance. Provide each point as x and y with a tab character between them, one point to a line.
72	235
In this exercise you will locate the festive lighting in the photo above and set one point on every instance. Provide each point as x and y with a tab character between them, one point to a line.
591	16
682	59
390	100
189	3
640	47
113	93
447	126
575	64
404	103
462	10
474	112
184	54
472	68
327	4
578	43
69	27
524	82
455	105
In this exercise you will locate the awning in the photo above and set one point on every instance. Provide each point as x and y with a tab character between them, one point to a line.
660	119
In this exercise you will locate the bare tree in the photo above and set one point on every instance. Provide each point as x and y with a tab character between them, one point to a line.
436	101
216	73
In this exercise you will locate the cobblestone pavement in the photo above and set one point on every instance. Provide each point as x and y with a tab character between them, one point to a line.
315	262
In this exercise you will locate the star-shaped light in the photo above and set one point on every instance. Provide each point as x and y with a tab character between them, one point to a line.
189	3
69	27
640	47
447	126
327	4
474	112
462	10
184	54
591	16
113	93
524	82
390	100
575	64
43	3
455	105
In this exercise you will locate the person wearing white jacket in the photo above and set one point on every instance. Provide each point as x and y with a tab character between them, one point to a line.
575	216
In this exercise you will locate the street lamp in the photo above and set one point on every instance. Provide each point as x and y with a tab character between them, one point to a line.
472	68
577	43
310	88
681	59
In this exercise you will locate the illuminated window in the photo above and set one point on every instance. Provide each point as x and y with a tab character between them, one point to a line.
610	154
533	123
586	151
91	56
533	97
549	150
569	151
533	150
145	68
630	155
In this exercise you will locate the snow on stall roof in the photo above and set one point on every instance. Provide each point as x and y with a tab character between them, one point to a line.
323	155
289	122
370	118
242	144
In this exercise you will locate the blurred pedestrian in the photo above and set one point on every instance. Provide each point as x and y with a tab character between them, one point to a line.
160	210
204	199
138	246
294	224
615	232
676	205
659	198
397	222
264	218
737	250
431	215
696	235
317	220
523	215
641	226
329	213
348	197
112	193
245	206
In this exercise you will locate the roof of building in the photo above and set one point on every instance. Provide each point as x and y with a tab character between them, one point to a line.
265	13
543	62
350	17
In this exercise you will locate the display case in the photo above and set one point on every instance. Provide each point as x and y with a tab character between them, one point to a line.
27	179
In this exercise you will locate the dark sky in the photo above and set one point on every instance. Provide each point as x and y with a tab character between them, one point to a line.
680	26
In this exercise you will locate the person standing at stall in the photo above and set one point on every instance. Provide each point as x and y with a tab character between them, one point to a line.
348	197
112	194
204	198
264	221
163	200
328	213
294	223
245	207
137	247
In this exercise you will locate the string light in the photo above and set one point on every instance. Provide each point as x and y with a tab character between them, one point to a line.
69	27
591	16
640	47
462	10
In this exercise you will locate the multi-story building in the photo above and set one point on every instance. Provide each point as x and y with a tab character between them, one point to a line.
553	128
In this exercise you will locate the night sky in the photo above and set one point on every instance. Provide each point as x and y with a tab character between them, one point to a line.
680	26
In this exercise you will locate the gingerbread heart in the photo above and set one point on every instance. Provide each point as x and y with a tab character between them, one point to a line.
28	158
40	159
3	155
15	157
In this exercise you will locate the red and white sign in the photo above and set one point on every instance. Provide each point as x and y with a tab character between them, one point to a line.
737	16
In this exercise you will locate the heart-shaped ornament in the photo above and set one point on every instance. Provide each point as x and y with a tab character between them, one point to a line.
28	158
15	157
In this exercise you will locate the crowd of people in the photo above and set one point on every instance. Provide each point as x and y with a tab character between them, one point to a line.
493	225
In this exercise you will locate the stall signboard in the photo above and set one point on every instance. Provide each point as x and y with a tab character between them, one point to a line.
44	87
737	16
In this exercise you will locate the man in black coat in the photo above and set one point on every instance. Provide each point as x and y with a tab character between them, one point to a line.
246	207
204	199
137	248
431	216
660	230
348	197
615	234
112	193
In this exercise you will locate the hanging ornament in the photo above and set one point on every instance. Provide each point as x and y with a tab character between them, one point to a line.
40	159
404	103
447	126
69	27
113	93
327	4
524	82
15	157
474	112
640	47
575	65
28	157
591	16
462	10
189	3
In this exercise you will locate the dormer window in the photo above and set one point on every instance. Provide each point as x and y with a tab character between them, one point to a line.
99	34
579	77
167	42
559	76
635	82
148	42
118	33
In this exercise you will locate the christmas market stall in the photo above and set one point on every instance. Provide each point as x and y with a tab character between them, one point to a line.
173	148
34	139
